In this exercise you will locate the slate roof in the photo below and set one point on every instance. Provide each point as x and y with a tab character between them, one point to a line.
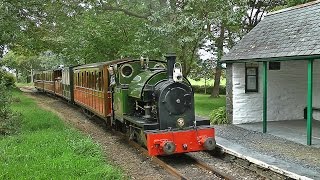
286	33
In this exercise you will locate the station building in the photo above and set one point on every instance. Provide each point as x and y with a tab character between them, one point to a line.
273	74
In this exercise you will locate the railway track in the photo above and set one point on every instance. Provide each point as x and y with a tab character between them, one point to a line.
184	170
183	166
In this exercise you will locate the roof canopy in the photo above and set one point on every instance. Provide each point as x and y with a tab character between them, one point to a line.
292	33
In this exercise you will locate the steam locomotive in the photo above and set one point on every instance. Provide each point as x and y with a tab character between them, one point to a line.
149	100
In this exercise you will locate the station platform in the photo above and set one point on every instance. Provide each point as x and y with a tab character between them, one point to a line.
282	149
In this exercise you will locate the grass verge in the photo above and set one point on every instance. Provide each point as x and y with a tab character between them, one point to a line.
204	104
210	82
48	149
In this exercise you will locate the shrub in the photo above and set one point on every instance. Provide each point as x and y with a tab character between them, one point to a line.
7	78
201	89
9	121
219	116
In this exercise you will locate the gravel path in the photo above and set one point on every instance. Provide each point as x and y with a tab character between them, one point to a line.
308	157
134	164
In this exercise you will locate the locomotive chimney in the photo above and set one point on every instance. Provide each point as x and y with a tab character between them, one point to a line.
171	60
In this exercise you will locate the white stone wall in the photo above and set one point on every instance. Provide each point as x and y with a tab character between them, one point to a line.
287	93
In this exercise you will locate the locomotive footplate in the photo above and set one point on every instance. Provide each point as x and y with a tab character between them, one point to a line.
146	125
180	141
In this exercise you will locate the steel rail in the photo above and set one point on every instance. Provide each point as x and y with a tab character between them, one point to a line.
201	164
171	170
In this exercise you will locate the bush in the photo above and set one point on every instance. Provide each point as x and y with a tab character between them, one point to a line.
9	121
7	78
201	89
219	116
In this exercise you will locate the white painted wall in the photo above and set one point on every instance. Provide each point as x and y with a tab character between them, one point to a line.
287	93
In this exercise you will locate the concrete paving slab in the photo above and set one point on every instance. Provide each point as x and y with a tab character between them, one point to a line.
286	168
279	154
293	130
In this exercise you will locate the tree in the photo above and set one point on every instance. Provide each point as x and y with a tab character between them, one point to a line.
203	70
20	64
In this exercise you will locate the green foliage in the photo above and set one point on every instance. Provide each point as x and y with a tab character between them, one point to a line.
290	3
7	79
9	121
84	32
219	116
204	104
47	149
208	89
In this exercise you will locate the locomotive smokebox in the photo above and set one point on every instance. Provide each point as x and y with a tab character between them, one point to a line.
171	60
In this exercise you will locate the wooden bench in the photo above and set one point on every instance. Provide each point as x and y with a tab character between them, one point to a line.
305	112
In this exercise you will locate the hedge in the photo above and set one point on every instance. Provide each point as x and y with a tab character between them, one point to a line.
201	89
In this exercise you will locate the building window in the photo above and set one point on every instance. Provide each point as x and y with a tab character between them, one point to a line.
274	65
251	79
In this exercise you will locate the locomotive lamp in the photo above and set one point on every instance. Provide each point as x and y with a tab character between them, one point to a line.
177	73
180	122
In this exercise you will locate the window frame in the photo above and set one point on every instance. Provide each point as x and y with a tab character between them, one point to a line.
257	79
274	66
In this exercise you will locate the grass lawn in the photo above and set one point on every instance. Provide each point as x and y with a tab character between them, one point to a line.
209	82
204	104
46	148
23	84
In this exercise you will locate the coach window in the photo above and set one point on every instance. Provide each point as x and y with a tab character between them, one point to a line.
99	81
84	80
94	79
81	79
78	79
102	82
75	79
89	79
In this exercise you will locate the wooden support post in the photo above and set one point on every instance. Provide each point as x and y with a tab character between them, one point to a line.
265	93
309	102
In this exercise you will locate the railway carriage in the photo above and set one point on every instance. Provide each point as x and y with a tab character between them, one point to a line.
149	100
67	83
48	81
38	80
58	82
91	88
